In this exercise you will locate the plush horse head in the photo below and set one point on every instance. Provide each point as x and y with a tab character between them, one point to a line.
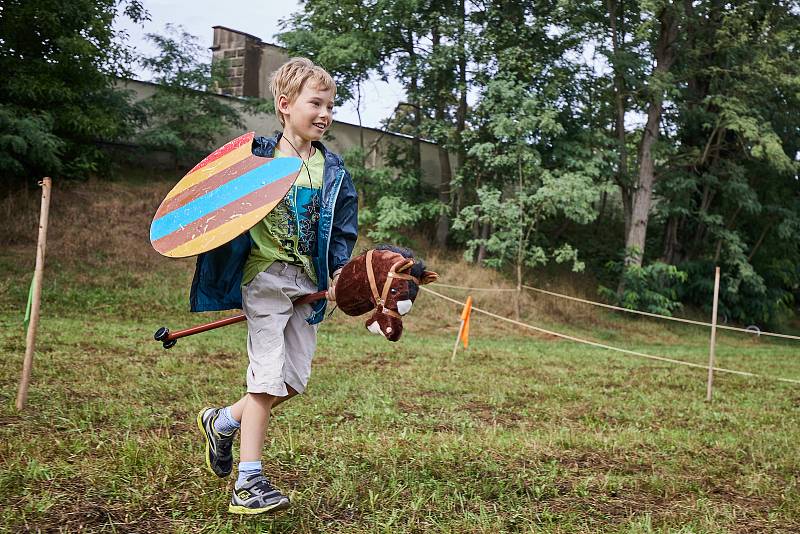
384	280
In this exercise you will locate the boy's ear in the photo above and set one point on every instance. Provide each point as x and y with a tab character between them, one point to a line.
283	103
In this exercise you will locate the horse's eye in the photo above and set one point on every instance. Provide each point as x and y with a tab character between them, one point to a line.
393	291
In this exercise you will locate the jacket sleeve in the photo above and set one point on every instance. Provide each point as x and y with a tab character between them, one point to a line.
261	147
344	230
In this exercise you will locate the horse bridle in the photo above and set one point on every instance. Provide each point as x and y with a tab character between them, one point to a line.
380	299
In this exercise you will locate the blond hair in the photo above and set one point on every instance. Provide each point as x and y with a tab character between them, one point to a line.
292	76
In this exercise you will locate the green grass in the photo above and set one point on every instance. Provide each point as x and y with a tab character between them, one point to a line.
521	434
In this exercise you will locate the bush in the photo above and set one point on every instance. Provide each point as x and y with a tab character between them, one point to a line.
745	296
390	202
654	288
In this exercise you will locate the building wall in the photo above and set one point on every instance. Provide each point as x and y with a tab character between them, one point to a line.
231	47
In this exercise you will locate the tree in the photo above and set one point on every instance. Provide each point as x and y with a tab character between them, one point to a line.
57	97
729	188
183	117
691	110
641	193
525	192
640	42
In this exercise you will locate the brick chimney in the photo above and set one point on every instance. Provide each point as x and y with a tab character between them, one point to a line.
250	62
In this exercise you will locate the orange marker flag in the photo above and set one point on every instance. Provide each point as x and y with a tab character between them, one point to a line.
465	313
463	330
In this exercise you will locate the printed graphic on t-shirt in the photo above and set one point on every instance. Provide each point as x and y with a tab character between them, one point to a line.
303	206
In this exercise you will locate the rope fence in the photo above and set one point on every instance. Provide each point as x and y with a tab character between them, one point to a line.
626	310
608	347
473	288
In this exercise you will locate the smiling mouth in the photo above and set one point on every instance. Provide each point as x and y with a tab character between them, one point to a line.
320	125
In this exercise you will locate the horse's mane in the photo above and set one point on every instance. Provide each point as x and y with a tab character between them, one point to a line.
416	270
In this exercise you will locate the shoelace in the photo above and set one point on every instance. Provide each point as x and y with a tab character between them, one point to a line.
263	484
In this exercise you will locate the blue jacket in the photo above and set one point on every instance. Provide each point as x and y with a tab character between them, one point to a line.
218	273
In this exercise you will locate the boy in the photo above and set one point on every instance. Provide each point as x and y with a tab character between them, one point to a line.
308	237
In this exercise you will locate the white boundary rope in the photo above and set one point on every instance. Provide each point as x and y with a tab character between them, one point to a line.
609	347
472	288
701	323
618	308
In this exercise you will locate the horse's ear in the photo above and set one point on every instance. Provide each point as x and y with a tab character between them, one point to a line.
406	266
428	277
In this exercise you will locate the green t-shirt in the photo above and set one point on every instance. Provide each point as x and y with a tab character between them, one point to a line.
289	232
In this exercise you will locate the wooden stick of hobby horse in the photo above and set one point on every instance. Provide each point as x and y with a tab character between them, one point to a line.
38	273
319	295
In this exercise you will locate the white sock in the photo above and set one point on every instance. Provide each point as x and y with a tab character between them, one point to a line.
225	423
246	470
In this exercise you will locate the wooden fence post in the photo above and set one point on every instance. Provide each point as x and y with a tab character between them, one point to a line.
458	340
36	294
713	342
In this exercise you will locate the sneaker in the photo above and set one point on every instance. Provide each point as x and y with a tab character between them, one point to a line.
257	496
219	457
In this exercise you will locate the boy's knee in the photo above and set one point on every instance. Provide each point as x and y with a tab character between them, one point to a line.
264	399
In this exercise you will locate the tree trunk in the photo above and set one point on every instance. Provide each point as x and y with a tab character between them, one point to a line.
518	293
671	244
621	177
443	224
461	113
619	98
457	196
627	208
413	96
643	193
601	212
760	240
486	229
701	232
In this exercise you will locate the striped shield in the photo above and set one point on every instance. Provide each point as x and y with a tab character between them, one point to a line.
222	197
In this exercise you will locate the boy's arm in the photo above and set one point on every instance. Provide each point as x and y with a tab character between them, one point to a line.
331	295
344	231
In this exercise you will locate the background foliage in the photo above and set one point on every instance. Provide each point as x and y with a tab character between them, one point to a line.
184	117
660	135
676	122
57	97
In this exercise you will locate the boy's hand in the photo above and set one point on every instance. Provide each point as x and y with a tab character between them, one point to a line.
332	287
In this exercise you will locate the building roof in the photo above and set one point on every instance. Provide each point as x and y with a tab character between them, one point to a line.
251	36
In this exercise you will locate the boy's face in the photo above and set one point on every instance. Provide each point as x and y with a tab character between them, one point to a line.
310	114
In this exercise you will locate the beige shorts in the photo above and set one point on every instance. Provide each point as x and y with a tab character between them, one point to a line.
280	343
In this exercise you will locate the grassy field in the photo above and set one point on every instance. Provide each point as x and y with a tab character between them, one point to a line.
523	433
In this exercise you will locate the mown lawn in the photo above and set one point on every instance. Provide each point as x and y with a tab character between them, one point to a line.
521	434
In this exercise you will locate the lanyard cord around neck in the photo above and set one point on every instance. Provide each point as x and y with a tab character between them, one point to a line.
310	183
308	172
